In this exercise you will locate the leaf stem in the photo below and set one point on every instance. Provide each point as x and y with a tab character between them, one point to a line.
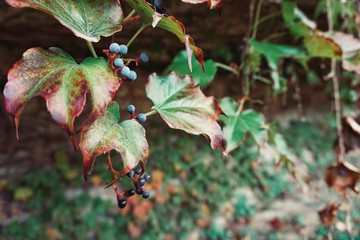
152	112
136	34
129	15
257	17
92	50
227	68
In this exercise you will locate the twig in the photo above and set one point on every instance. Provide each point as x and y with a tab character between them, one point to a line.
227	67
257	17
341	154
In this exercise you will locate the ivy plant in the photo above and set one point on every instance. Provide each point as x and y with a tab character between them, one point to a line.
64	84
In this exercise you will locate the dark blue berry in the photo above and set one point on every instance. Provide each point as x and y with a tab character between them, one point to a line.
130	192
145	194
144	57
114	48
132	76
139	191
131	108
125	71
123	49
118	62
141	182
131	173
147	177
122	203
138	171
141	117
158	3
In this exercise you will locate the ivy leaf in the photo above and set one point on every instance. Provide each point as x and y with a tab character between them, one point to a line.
212	3
295	20
273	53
239	123
105	134
88	19
350	46
180	66
319	45
169	23
54	75
182	105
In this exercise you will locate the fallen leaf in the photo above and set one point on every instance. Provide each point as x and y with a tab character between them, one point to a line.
341	176
328	214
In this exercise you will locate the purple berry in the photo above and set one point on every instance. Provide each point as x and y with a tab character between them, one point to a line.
131	173
147	177
145	194
122	203
141	182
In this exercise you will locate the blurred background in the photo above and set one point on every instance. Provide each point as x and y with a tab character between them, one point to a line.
195	193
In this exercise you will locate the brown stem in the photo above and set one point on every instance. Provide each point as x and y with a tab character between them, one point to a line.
337	101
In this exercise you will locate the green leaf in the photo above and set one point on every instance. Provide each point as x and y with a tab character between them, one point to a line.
273	53
88	19
318	45
182	105
239	123
105	134
23	193
295	20
180	66
54	75
169	23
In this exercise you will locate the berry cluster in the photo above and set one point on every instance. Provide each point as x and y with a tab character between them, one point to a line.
159	5
141	117
120	64
139	184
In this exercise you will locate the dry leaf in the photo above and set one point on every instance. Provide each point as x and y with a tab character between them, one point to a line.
328	214
341	176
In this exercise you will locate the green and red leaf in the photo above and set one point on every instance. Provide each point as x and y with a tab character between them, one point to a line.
319	45
169	23
239	123
106	134
54	75
88	19
182	105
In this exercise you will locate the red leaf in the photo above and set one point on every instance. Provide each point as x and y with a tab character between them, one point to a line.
55	76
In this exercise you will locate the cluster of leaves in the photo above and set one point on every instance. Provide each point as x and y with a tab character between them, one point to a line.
64	84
